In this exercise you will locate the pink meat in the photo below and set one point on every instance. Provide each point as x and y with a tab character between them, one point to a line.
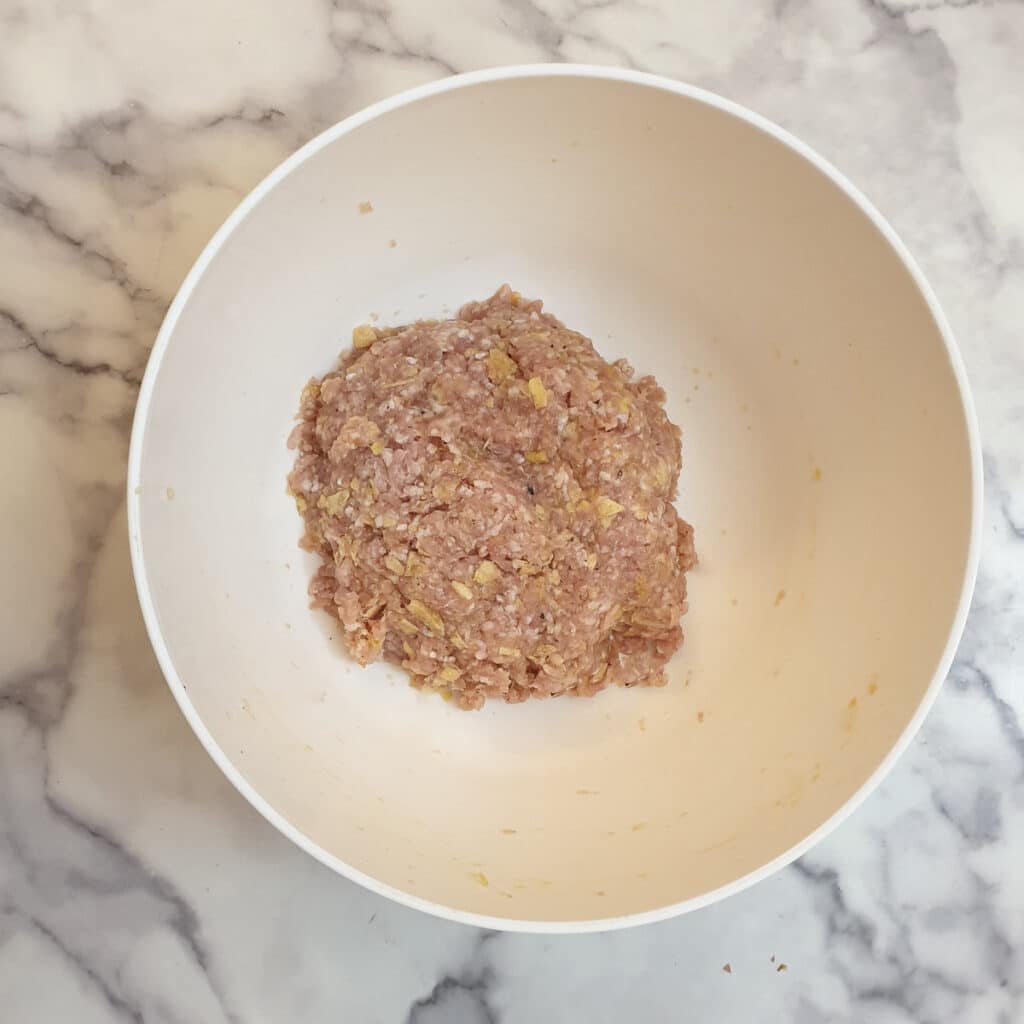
492	502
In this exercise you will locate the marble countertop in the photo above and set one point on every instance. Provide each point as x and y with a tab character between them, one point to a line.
135	884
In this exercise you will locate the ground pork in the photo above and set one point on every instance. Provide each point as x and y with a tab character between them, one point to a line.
492	505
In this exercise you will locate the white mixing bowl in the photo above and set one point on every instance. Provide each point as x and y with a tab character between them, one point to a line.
831	469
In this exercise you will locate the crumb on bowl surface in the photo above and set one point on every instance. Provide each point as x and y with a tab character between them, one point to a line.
492	504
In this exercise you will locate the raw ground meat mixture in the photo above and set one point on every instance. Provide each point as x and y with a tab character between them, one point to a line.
492	502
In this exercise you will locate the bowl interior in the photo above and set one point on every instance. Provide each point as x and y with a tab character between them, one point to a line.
827	470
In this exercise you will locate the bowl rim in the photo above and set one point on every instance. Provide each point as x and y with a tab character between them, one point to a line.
253	199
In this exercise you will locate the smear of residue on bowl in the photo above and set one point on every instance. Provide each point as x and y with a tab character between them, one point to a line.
366	206
480	878
169	493
779	598
849	721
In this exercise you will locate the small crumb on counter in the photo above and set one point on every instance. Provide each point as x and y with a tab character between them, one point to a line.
366	206
727	968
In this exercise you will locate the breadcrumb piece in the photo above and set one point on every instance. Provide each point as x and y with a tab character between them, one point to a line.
499	366
538	392
607	509
363	336
486	571
430	618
